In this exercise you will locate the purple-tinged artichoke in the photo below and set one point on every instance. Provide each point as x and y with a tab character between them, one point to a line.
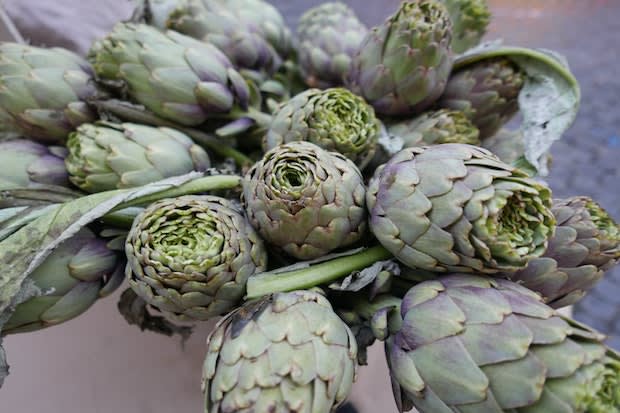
585	245
458	208
305	200
434	128
106	156
487	92
403	65
190	257
334	119
175	76
44	92
484	345
81	270
329	36
288	352
29	164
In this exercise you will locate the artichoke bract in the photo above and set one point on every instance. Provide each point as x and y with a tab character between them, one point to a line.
190	257
470	19
585	245
44	92
487	92
287	353
76	274
477	344
458	208
403	65
26	163
175	76
434	128
217	22
334	119
108	156
305	200
329	36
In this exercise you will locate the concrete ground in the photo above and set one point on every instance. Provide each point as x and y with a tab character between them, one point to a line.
99	364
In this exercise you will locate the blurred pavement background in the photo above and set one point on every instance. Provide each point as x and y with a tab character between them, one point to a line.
99	364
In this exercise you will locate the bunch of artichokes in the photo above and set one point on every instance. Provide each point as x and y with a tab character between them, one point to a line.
318	192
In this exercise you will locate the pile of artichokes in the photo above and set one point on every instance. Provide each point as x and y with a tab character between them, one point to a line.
318	191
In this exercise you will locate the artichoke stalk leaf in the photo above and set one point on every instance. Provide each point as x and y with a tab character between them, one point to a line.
548	102
360	279
24	250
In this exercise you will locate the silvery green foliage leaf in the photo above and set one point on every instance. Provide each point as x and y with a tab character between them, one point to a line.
548	102
358	280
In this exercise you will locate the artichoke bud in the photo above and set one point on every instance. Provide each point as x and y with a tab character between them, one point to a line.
287	352
190	257
106	156
457	207
244	44
586	243
305	200
174	76
470	19
43	92
29	164
487	91
329	36
434	128
403	65
334	119
77	273
512	352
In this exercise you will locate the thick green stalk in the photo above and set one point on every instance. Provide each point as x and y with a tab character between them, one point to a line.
208	183
314	275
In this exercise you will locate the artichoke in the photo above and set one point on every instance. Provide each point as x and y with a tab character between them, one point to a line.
329	36
43	92
334	119
286	353
176	77
470	19
434	128
456	207
108	156
403	65
585	245
483	345
190	257
218	23
77	273
305	200
26	164
487	91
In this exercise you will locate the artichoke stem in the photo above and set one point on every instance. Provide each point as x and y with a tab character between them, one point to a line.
208	183
367	309
219	147
314	275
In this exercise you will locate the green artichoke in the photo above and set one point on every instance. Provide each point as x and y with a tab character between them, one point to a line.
218	23
487	91
456	207
27	164
286	353
305	200
334	119
77	273
585	245
329	36
403	65
434	128
483	345
43	92
108	156
470	19
175	76
190	257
